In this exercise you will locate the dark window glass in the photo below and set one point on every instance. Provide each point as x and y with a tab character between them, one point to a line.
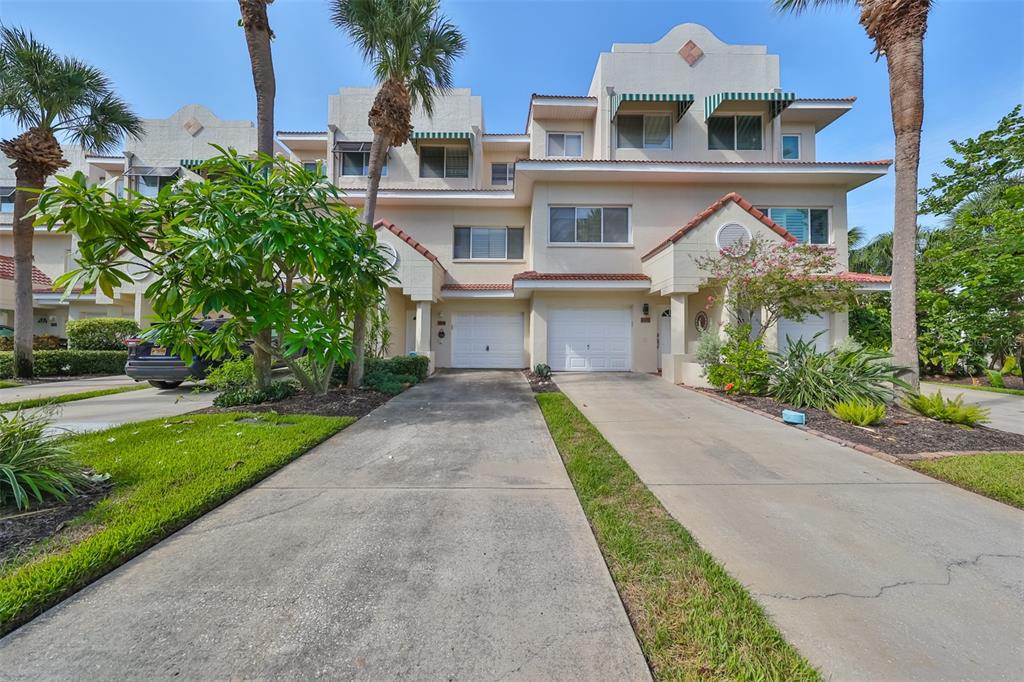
456	162
431	162
515	243
819	226
657	132
6	200
500	173
721	132
461	249
353	163
616	225
791	147
748	132
588	224
631	132
563	224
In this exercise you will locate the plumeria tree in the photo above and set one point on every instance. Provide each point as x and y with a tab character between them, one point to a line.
782	280
262	240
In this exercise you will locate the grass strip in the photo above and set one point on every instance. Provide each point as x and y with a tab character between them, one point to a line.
692	619
990	389
4	383
999	475
166	473
67	397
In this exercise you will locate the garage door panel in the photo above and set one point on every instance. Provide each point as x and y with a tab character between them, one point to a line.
806	329
589	339
487	340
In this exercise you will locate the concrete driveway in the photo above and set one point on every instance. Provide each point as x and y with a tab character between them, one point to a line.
437	538
873	571
1005	409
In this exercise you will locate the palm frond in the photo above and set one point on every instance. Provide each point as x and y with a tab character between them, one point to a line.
797	6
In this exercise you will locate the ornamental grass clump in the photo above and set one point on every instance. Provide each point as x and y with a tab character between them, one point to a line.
34	465
858	412
949	410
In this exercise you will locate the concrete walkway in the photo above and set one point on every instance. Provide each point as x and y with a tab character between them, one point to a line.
50	389
873	571
1005	409
439	538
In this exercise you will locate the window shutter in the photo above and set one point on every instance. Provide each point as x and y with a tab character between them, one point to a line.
794	220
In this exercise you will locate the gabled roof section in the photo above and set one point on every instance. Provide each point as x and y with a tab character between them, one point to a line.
40	281
405	237
709	211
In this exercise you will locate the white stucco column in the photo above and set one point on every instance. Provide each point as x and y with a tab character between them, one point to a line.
422	327
138	304
728	317
679	315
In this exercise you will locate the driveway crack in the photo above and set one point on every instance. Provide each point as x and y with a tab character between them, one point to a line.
884	588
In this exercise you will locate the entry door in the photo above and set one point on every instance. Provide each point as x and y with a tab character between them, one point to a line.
487	340
590	340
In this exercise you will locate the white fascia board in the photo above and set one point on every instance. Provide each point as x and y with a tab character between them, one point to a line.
447	294
582	284
57	297
876	286
685	167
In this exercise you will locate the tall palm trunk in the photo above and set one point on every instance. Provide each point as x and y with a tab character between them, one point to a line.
24	318
905	59
257	40
378	150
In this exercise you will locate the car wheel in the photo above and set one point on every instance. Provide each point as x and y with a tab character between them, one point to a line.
164	384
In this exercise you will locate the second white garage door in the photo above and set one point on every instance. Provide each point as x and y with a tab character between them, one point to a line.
806	329
589	340
487	340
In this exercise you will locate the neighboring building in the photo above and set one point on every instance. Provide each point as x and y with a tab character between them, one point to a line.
167	150
573	243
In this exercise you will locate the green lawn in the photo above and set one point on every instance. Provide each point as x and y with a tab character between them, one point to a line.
692	619
167	472
68	397
4	383
999	475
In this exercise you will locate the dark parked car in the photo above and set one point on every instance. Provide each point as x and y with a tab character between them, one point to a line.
161	368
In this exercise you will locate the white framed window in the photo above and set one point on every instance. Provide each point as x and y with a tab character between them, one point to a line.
6	200
742	132
355	164
488	243
644	131
791	147
503	173
565	144
150	185
444	162
311	166
589	225
808	225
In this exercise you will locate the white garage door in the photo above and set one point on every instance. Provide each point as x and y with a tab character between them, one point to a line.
811	325
487	340
589	340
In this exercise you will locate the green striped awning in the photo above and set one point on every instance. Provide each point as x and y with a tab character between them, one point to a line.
683	100
422	135
191	163
777	100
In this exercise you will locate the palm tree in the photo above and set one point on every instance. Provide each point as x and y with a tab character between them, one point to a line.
412	50
48	95
257	39
854	236
874	257
898	28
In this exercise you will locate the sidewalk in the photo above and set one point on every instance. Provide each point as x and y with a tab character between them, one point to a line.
49	389
1005	409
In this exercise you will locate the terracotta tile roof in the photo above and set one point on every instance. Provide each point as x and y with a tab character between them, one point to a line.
878	162
477	287
40	282
706	213
405	237
865	278
533	275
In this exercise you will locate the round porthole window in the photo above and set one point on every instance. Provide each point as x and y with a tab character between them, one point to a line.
390	254
701	321
734	238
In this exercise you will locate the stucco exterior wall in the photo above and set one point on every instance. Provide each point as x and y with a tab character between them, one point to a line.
166	141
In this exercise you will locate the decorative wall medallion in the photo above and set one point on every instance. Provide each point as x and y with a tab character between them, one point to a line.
691	52
193	127
701	321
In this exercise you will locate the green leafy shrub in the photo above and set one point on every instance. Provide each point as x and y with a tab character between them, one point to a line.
744	363
100	333
416	365
32	464
392	384
40	342
49	363
231	374
803	377
709	350
995	379
950	410
542	370
250	395
858	412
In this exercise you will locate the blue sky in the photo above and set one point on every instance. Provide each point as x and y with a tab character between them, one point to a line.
162	54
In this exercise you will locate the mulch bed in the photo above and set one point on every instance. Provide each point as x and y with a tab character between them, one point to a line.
1009	381
21	529
901	433
539	384
338	402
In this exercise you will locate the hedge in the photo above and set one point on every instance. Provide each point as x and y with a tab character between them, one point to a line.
39	342
100	333
415	365
49	363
